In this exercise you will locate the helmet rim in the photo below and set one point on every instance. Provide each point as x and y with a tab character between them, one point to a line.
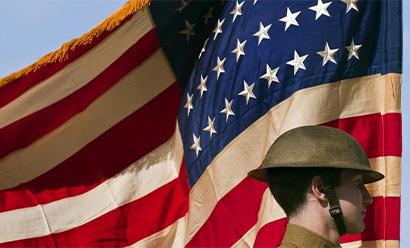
316	147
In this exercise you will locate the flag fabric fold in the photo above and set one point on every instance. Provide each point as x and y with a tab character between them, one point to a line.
141	132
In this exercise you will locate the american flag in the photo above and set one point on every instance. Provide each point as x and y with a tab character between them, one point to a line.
141	132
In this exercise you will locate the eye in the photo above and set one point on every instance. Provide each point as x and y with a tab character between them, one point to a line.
359	184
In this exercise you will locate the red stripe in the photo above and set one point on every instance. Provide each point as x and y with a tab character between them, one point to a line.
15	88
382	223
387	142
28	129
123	144
227	232
233	216
271	234
126	224
383	219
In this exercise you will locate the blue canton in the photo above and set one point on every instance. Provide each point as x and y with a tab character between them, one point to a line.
261	52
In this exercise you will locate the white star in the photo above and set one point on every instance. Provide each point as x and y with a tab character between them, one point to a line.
202	85
184	3
210	128
203	48
353	50
254	2
270	75
237	10
196	145
262	33
328	54
297	62
189	30
290	18
228	109
208	15
219	68
350	4
321	9
239	49
218	28
188	104
247	91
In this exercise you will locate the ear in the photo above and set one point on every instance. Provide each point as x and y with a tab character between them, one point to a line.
316	188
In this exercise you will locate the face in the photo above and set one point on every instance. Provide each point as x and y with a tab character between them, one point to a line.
354	199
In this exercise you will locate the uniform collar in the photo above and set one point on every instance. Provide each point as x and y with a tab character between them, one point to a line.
301	237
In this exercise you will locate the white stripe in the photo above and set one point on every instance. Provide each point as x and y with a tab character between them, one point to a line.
131	93
139	179
390	167
372	244
78	73
172	236
310	106
354	244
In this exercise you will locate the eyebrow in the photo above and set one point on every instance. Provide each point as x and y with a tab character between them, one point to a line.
358	179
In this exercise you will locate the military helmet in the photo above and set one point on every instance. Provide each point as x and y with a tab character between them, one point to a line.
316	147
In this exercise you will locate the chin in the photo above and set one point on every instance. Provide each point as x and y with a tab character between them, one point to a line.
357	228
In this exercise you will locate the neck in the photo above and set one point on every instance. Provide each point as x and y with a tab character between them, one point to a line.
309	219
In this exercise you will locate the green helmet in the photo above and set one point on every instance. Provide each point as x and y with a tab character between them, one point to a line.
316	146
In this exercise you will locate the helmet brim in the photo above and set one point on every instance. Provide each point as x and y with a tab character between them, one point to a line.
369	176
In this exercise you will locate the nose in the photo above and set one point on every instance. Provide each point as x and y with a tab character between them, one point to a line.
367	198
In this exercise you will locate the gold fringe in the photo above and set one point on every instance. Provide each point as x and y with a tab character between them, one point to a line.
61	54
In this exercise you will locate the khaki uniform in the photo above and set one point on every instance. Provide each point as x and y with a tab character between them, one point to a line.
299	237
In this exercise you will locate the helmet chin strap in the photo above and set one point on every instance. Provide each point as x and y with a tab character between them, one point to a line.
334	204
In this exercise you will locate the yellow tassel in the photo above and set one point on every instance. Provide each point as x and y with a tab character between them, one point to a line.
61	54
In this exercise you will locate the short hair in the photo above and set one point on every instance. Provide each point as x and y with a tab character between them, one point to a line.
289	186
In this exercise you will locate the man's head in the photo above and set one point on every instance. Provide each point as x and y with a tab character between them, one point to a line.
322	167
294	188
290	186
